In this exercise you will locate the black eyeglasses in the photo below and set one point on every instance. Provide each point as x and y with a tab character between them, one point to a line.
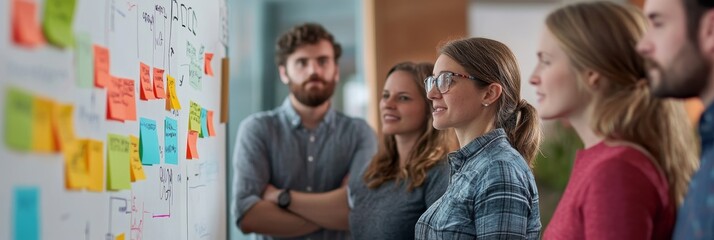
443	81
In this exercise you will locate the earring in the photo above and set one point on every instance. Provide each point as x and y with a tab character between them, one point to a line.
484	104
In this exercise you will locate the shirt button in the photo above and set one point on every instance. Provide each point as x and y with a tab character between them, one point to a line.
312	138
309	159
309	189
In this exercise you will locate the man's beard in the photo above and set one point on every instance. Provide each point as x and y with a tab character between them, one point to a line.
685	77
312	97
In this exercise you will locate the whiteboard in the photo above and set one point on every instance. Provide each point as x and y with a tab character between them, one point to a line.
182	201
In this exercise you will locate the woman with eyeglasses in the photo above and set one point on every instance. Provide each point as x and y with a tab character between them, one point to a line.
409	171
639	150
492	194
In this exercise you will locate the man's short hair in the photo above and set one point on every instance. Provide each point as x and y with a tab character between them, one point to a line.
694	10
300	35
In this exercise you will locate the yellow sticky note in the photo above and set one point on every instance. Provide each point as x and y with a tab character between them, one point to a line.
172	101
95	165
137	170
75	158
18	119
63	125
118	152
194	117
42	135
120	237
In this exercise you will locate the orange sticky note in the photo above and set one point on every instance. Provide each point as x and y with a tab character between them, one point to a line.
63	125
137	170
25	24
115	100
120	237
43	139
101	66
207	68
75	157
159	83
129	96
95	166
146	88
191	150
211	130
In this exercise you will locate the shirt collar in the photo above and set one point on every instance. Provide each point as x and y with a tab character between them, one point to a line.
296	121
459	157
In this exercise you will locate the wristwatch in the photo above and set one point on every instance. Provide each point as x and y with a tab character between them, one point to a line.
284	199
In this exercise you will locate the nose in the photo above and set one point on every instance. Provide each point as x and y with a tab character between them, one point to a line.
387	103
644	46
433	93
534	79
314	68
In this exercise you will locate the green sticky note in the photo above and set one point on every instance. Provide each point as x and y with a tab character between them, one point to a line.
26	213
194	117
83	60
18	119
57	22
118	148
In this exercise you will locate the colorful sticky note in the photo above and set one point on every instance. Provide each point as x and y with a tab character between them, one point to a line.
211	129
194	117
26	213
83	60
149	147
18	119
171	141
57	22
43	139
204	124
120	237
129	93
75	160
63	125
137	170
118	150
159	83
116	109
207	64
95	166
172	102
191	149
101	66
25	26
146	88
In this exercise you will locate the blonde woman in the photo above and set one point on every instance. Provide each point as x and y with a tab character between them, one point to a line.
638	156
409	171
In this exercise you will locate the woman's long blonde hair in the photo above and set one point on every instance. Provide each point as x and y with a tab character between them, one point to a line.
430	148
601	37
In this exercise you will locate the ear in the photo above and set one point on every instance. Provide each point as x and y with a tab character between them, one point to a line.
493	92
283	74
592	78
337	73
706	33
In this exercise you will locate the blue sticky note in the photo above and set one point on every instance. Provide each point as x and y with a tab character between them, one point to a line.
204	124
171	141
27	213
148	142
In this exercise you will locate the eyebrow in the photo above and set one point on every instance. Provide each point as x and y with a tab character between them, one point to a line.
542	54
654	16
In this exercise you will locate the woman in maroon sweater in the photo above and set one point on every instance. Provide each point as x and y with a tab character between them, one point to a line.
639	151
